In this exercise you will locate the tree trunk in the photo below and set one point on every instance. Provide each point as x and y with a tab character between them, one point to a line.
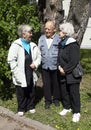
79	14
52	10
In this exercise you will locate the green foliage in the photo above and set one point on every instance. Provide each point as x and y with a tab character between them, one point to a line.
86	60
12	14
5	74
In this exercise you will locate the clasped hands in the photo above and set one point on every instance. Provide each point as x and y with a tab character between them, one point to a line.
33	66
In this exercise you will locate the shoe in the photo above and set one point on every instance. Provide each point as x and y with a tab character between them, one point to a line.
64	112
20	113
47	105
76	117
56	103
32	111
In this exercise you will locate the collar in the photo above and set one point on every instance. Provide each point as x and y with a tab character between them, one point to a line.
51	37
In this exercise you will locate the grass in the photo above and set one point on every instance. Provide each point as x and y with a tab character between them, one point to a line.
51	116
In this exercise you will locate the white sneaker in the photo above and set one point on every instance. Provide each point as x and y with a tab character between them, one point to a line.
32	111
64	112
76	117
20	113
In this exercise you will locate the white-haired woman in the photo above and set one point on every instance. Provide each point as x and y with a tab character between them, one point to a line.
24	58
68	57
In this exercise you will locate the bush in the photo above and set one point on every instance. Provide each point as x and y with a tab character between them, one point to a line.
12	14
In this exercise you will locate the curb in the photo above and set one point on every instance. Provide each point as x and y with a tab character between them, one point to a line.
26	121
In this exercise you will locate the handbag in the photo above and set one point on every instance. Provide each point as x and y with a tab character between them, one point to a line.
78	71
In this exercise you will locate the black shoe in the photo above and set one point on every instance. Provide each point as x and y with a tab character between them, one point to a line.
56	103
47	105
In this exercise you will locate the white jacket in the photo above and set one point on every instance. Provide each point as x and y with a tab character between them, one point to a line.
16	59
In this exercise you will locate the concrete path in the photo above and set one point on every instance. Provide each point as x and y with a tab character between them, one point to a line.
11	121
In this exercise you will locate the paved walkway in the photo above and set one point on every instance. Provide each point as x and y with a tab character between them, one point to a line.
11	121
6	123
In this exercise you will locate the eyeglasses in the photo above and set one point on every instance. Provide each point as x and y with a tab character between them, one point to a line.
30	32
60	30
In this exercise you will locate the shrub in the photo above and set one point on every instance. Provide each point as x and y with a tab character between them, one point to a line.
12	14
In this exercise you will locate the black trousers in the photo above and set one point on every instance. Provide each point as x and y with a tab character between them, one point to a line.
71	96
50	85
25	98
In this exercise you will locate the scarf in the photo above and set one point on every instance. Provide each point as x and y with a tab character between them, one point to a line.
26	44
63	41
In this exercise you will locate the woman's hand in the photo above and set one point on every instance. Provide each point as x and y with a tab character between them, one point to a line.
33	66
61	70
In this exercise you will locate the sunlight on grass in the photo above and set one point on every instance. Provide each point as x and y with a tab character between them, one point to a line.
51	116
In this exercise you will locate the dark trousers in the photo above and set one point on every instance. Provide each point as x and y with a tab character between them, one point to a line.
50	85
71	96
25	98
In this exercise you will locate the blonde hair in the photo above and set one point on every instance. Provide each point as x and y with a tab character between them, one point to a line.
67	28
24	29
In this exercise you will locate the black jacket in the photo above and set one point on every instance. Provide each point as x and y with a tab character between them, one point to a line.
68	57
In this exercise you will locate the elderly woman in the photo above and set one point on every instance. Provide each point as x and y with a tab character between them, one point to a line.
24	58
68	57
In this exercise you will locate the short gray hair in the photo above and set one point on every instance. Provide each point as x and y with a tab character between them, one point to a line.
67	28
24	29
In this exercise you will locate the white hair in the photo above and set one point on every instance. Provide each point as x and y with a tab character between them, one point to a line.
24	29
67	28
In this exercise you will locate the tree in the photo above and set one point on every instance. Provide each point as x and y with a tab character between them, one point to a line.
51	10
78	14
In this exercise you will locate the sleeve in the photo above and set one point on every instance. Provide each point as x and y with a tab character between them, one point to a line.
74	56
58	58
12	56
37	55
13	61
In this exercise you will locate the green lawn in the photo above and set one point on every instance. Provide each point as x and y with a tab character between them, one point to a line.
51	116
